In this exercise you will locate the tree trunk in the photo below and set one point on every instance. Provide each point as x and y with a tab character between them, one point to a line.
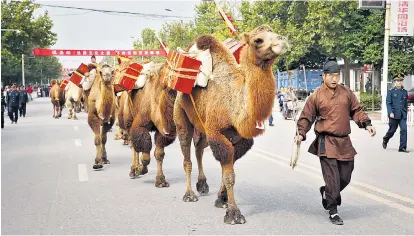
346	72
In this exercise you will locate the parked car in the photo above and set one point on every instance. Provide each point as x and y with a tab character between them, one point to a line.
411	96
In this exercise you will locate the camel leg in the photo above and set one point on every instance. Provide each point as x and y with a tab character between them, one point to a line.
57	112
95	124
106	127
54	110
141	141
69	106
200	144
240	148
160	143
223	151
135	164
75	110
185	133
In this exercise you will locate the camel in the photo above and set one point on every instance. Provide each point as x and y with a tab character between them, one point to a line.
73	94
124	116
57	97
101	110
152	108
234	101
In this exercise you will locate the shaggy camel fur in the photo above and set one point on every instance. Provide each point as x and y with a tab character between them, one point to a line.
124	116
57	97
153	111
235	99
73	95
101	111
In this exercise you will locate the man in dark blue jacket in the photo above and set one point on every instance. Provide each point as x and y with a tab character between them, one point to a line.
397	105
13	104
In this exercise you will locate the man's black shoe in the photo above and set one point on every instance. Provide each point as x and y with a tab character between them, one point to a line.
384	144
324	202
336	220
403	150
271	125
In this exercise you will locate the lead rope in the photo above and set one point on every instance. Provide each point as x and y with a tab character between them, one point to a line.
296	147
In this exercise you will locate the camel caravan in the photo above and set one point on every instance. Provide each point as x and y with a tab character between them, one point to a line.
214	93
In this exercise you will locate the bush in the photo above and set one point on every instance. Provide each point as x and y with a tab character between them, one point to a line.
366	101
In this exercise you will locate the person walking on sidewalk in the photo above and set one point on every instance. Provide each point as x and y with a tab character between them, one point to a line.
397	106
23	100
3	107
331	106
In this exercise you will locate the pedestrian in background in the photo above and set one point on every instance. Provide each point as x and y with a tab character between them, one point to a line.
13	104
23	100
3	107
397	106
330	106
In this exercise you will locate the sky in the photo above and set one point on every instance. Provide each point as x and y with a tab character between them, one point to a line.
79	29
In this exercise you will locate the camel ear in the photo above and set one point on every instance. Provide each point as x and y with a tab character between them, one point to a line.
245	38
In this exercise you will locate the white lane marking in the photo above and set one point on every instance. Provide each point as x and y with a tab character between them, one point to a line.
83	172
76	128
78	142
360	192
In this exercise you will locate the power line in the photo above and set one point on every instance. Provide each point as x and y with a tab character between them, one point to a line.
143	15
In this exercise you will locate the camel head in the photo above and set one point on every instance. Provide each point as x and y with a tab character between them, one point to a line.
53	82
106	72
265	44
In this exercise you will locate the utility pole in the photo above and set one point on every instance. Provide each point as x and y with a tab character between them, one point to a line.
372	87
384	81
23	82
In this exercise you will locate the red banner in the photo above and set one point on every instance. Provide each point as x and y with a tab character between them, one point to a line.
74	52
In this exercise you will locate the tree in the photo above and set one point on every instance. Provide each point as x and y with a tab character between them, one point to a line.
33	32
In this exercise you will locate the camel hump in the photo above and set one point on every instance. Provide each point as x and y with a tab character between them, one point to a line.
205	42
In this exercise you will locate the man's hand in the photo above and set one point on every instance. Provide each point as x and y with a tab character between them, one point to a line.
392	115
371	131
299	139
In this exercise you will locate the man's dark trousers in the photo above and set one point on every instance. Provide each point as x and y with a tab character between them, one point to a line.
337	175
393	125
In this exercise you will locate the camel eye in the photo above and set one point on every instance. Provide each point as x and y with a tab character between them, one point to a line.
258	41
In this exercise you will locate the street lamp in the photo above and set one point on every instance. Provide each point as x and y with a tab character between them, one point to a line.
23	80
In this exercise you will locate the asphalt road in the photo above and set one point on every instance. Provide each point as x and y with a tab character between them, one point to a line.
49	186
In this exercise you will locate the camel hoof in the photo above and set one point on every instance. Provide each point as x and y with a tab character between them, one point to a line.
234	216
126	142
143	170
106	161
75	118
97	166
221	202
160	182
189	196
202	187
133	173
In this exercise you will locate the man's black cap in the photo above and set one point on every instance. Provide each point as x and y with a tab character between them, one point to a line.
93	56
399	77
331	66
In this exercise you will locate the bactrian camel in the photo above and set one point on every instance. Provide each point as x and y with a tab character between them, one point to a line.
57	97
73	94
230	106
124	116
152	111
101	110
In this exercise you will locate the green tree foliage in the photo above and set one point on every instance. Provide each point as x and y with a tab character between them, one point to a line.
315	29
33	32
